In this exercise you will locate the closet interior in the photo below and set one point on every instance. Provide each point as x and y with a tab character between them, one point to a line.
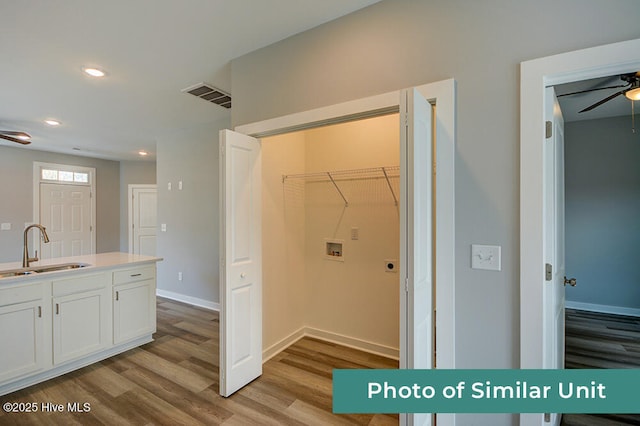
331	235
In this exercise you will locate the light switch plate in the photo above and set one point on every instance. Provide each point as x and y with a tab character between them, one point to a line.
486	257
5	227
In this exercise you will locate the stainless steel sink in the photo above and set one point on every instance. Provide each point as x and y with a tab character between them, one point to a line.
61	267
15	273
40	269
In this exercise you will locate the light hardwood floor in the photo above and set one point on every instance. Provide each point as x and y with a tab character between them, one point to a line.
595	340
174	381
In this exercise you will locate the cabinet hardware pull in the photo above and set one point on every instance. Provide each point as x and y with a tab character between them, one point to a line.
117	295
135	275
57	309
39	311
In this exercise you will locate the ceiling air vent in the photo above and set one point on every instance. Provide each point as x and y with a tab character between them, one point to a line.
209	93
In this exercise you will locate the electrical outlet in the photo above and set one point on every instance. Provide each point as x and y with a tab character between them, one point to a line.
163	227
486	257
179	276
5	227
391	265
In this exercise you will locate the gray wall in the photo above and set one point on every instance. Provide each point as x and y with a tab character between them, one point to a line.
602	175
401	43
132	172
16	205
190	244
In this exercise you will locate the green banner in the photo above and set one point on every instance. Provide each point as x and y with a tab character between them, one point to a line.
486	391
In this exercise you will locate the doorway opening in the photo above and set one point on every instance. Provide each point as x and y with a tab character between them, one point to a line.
241	246
331	226
537	345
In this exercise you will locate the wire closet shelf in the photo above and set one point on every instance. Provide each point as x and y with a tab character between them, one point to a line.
336	176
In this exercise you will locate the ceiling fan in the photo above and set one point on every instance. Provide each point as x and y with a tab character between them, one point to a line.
631	90
18	137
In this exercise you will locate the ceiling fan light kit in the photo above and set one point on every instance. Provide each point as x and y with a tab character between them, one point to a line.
17	137
634	94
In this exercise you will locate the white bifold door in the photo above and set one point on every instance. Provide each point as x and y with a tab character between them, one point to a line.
240	262
416	239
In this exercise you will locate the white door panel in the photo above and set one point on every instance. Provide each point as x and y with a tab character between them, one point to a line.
144	218
241	262
553	290
416	238
65	211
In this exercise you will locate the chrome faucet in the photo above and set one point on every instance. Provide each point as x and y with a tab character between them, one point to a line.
25	255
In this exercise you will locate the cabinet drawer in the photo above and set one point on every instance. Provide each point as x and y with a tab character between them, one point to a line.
134	274
20	294
80	284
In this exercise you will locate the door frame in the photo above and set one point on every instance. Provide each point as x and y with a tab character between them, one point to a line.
535	75
37	179
130	206
442	94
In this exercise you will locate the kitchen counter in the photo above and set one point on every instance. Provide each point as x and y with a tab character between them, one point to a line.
94	262
57	321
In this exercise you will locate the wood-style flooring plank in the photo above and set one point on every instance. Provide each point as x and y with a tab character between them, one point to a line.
596	340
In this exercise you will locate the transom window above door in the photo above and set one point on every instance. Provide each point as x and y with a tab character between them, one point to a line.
65	175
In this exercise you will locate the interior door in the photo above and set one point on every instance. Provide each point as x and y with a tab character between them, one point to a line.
416	334
240	261
144	213
65	211
553	291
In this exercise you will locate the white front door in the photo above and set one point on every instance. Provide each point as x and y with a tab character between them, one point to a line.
416	338
65	212
143	212
240	261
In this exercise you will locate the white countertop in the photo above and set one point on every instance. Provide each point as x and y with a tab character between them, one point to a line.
93	261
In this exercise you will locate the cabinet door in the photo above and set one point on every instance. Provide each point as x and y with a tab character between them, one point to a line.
134	310
21	334
80	324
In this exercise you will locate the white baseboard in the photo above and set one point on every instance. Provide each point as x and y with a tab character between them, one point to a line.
188	299
283	344
352	342
328	336
606	309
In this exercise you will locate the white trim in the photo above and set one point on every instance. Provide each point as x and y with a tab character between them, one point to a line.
130	189
535	75
443	94
195	301
282	344
605	309
331	337
37	179
353	342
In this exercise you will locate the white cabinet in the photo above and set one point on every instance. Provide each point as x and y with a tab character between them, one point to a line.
134	303
81	316
52	324
22	331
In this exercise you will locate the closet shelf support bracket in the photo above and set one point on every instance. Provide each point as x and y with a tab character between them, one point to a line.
393	194
346	203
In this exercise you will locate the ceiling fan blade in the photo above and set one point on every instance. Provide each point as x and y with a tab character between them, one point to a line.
607	99
12	139
593	90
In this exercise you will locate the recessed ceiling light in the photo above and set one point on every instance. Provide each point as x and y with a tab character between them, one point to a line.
52	122
143	153
94	72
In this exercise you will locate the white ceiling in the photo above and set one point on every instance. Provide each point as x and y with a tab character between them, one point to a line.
573	104
151	49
